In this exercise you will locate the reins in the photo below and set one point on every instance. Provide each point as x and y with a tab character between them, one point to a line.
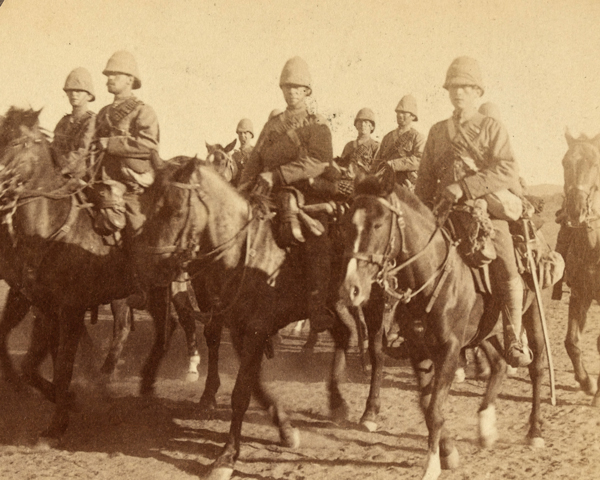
387	275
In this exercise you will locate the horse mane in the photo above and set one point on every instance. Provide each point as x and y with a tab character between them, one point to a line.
14	119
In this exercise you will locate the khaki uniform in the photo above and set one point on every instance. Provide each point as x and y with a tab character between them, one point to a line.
362	154
405	151
133	134
71	143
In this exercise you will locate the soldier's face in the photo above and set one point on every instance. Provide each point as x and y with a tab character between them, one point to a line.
404	119
244	137
464	97
118	82
294	95
364	127
78	98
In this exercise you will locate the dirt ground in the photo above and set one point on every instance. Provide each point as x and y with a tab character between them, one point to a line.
116	434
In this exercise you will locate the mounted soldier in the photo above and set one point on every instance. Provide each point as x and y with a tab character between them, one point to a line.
74	132
245	133
402	148
293	150
361	151
127	132
467	157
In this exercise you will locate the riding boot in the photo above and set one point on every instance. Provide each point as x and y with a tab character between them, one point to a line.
517	352
563	241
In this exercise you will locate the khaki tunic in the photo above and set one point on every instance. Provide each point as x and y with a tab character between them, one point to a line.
404	150
71	143
240	157
133	133
362	154
295	146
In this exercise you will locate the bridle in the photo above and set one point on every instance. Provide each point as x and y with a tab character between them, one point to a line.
387	274
590	215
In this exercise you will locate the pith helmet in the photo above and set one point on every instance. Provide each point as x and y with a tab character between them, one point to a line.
464	71
491	110
123	62
365	114
80	79
295	72
408	103
245	125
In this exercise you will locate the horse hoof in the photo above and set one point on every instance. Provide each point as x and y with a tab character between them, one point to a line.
47	443
451	461
339	414
369	425
459	375
589	386
220	473
192	377
537	442
290	438
596	401
488	433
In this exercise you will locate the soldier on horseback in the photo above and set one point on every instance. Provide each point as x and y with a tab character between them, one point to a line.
293	150
361	151
127	132
402	148
245	133
465	158
74	132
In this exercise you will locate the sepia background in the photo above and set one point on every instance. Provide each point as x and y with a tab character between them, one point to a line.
205	65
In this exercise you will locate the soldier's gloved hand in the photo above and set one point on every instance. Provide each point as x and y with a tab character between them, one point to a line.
100	144
453	192
267	178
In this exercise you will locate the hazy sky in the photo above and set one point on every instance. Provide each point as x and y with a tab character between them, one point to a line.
205	65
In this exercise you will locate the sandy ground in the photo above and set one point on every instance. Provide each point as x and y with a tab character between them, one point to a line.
116	434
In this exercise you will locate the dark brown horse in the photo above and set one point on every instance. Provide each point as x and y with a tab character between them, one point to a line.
581	166
393	244
50	251
257	286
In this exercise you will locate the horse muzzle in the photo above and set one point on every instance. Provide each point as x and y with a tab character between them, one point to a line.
356	288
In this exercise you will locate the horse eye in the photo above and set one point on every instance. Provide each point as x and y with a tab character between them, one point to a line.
377	226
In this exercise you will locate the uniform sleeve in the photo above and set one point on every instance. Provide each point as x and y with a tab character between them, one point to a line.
315	153
144	137
425	186
381	154
254	165
501	170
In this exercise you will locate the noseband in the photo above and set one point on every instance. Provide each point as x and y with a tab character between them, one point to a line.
387	274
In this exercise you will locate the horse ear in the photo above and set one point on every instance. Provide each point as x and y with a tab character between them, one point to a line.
569	137
230	147
387	180
186	171
209	148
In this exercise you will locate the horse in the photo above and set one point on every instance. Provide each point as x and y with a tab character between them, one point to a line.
258	286
221	159
393	245
581	166
50	251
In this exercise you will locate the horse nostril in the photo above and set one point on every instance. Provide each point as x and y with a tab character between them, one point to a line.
355	291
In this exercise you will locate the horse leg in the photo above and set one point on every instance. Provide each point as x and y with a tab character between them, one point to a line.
163	330
373	313
578	308
596	399
250	345
488	433
212	333
337	405
123	317
311	341
70	328
88	348
187	319
533	327
15	310
288	434
44	336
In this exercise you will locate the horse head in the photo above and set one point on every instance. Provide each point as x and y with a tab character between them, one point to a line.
368	234
581	165
221	159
